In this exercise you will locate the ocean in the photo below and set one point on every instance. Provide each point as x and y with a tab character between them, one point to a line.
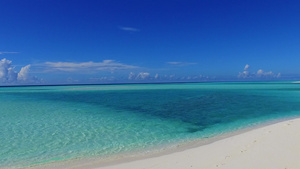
46	124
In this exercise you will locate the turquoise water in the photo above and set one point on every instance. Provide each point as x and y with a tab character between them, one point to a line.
53	123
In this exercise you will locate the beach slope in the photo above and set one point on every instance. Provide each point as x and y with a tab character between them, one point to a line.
275	146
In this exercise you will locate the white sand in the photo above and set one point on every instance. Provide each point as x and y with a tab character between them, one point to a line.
272	147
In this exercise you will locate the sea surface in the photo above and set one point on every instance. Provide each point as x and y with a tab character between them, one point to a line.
42	124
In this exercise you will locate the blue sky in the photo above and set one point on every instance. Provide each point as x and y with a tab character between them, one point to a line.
113	41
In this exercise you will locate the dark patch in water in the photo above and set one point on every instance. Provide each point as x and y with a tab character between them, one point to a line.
198	107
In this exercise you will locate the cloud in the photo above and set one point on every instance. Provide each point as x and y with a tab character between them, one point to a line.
181	63
23	75
8	52
109	65
278	75
71	80
188	78
259	74
165	77
171	77
247	67
9	75
244	74
139	76
103	79
130	29
131	76
143	75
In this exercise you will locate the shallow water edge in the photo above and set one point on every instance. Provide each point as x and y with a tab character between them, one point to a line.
98	162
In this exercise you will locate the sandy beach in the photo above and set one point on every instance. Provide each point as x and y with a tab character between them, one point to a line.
276	146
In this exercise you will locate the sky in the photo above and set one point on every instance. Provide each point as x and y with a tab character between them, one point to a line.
138	41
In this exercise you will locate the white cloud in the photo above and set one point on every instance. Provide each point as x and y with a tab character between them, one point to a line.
130	29
171	77
131	76
139	76
104	78
8	52
109	65
23	75
181	63
9	75
71	80
278	75
245	73
246	67
259	74
165	77
142	76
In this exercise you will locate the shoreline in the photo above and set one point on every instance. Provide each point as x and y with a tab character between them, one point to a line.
273	146
134	159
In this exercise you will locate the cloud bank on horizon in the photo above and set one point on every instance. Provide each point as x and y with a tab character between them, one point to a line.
246	74
110	71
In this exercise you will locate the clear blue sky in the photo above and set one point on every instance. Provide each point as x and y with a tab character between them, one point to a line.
108	41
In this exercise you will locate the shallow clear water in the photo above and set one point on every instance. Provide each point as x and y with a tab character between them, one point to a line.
52	123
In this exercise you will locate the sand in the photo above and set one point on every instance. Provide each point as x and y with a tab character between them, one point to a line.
276	146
